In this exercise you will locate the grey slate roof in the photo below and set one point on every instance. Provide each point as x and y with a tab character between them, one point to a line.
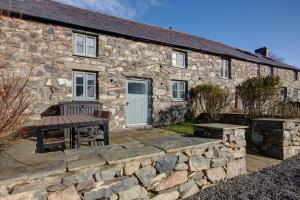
60	13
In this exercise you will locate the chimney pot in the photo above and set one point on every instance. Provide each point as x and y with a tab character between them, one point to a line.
263	51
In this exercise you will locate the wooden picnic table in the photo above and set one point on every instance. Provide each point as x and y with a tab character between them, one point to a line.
69	122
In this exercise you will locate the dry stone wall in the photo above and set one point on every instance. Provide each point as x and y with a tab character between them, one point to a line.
47	49
176	167
279	138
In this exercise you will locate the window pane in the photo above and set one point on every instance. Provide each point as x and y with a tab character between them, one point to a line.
91	79
91	51
90	41
174	56
91	46
79	49
180	63
79	80
182	94
180	56
224	69
182	85
174	85
91	91
174	94
137	88
79	91
79	40
174	59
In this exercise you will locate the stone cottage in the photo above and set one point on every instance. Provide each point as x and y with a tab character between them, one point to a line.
138	72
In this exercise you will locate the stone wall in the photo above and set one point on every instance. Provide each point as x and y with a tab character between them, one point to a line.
47	49
174	167
279	138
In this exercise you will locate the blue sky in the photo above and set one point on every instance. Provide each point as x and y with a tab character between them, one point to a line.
246	24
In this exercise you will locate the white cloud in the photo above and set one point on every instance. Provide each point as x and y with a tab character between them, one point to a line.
122	8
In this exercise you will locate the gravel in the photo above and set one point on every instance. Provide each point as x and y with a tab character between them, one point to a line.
281	181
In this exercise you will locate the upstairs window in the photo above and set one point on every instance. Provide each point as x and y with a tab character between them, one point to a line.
271	71
84	85
179	90
225	68
295	93
85	45
284	93
179	59
295	75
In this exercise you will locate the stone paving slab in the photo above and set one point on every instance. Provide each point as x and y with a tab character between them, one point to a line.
126	155
174	144
43	164
220	126
85	162
74	154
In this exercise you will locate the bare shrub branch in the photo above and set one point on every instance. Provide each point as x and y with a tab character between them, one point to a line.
210	99
14	104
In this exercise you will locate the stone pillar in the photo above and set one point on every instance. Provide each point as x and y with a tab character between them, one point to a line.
279	138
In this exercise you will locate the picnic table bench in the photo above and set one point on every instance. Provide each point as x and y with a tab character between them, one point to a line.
69	122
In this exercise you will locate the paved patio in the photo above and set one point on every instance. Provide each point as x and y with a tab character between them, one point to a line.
21	156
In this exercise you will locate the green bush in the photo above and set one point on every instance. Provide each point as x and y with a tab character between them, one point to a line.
210	99
259	94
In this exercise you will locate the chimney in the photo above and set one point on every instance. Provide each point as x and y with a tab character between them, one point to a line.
263	51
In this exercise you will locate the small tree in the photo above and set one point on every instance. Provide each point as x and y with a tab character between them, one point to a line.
14	104
259	94
210	99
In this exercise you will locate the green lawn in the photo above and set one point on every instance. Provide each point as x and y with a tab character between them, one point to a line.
184	128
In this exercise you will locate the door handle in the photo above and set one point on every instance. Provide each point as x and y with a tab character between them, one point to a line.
127	103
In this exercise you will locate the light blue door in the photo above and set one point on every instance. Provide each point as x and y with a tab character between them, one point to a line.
137	96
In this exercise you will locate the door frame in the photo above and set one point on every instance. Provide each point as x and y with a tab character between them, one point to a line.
150	102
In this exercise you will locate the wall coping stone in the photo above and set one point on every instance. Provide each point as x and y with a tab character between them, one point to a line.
275	120
219	126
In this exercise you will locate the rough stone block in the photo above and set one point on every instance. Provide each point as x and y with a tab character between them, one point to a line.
219	162
166	164
146	162
236	168
176	178
107	188
136	192
173	195
199	163
85	186
157	180
181	166
215	174
32	195
131	167
108	174
182	158
146	174
68	194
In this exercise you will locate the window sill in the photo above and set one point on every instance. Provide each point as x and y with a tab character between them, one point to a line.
224	78
179	100
84	100
179	67
83	56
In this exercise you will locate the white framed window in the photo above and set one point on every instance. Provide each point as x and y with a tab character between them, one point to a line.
295	93
295	75
85	45
271	71
178	59
179	90
84	85
225	69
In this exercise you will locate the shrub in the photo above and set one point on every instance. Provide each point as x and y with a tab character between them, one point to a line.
210	99
259	94
14	104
